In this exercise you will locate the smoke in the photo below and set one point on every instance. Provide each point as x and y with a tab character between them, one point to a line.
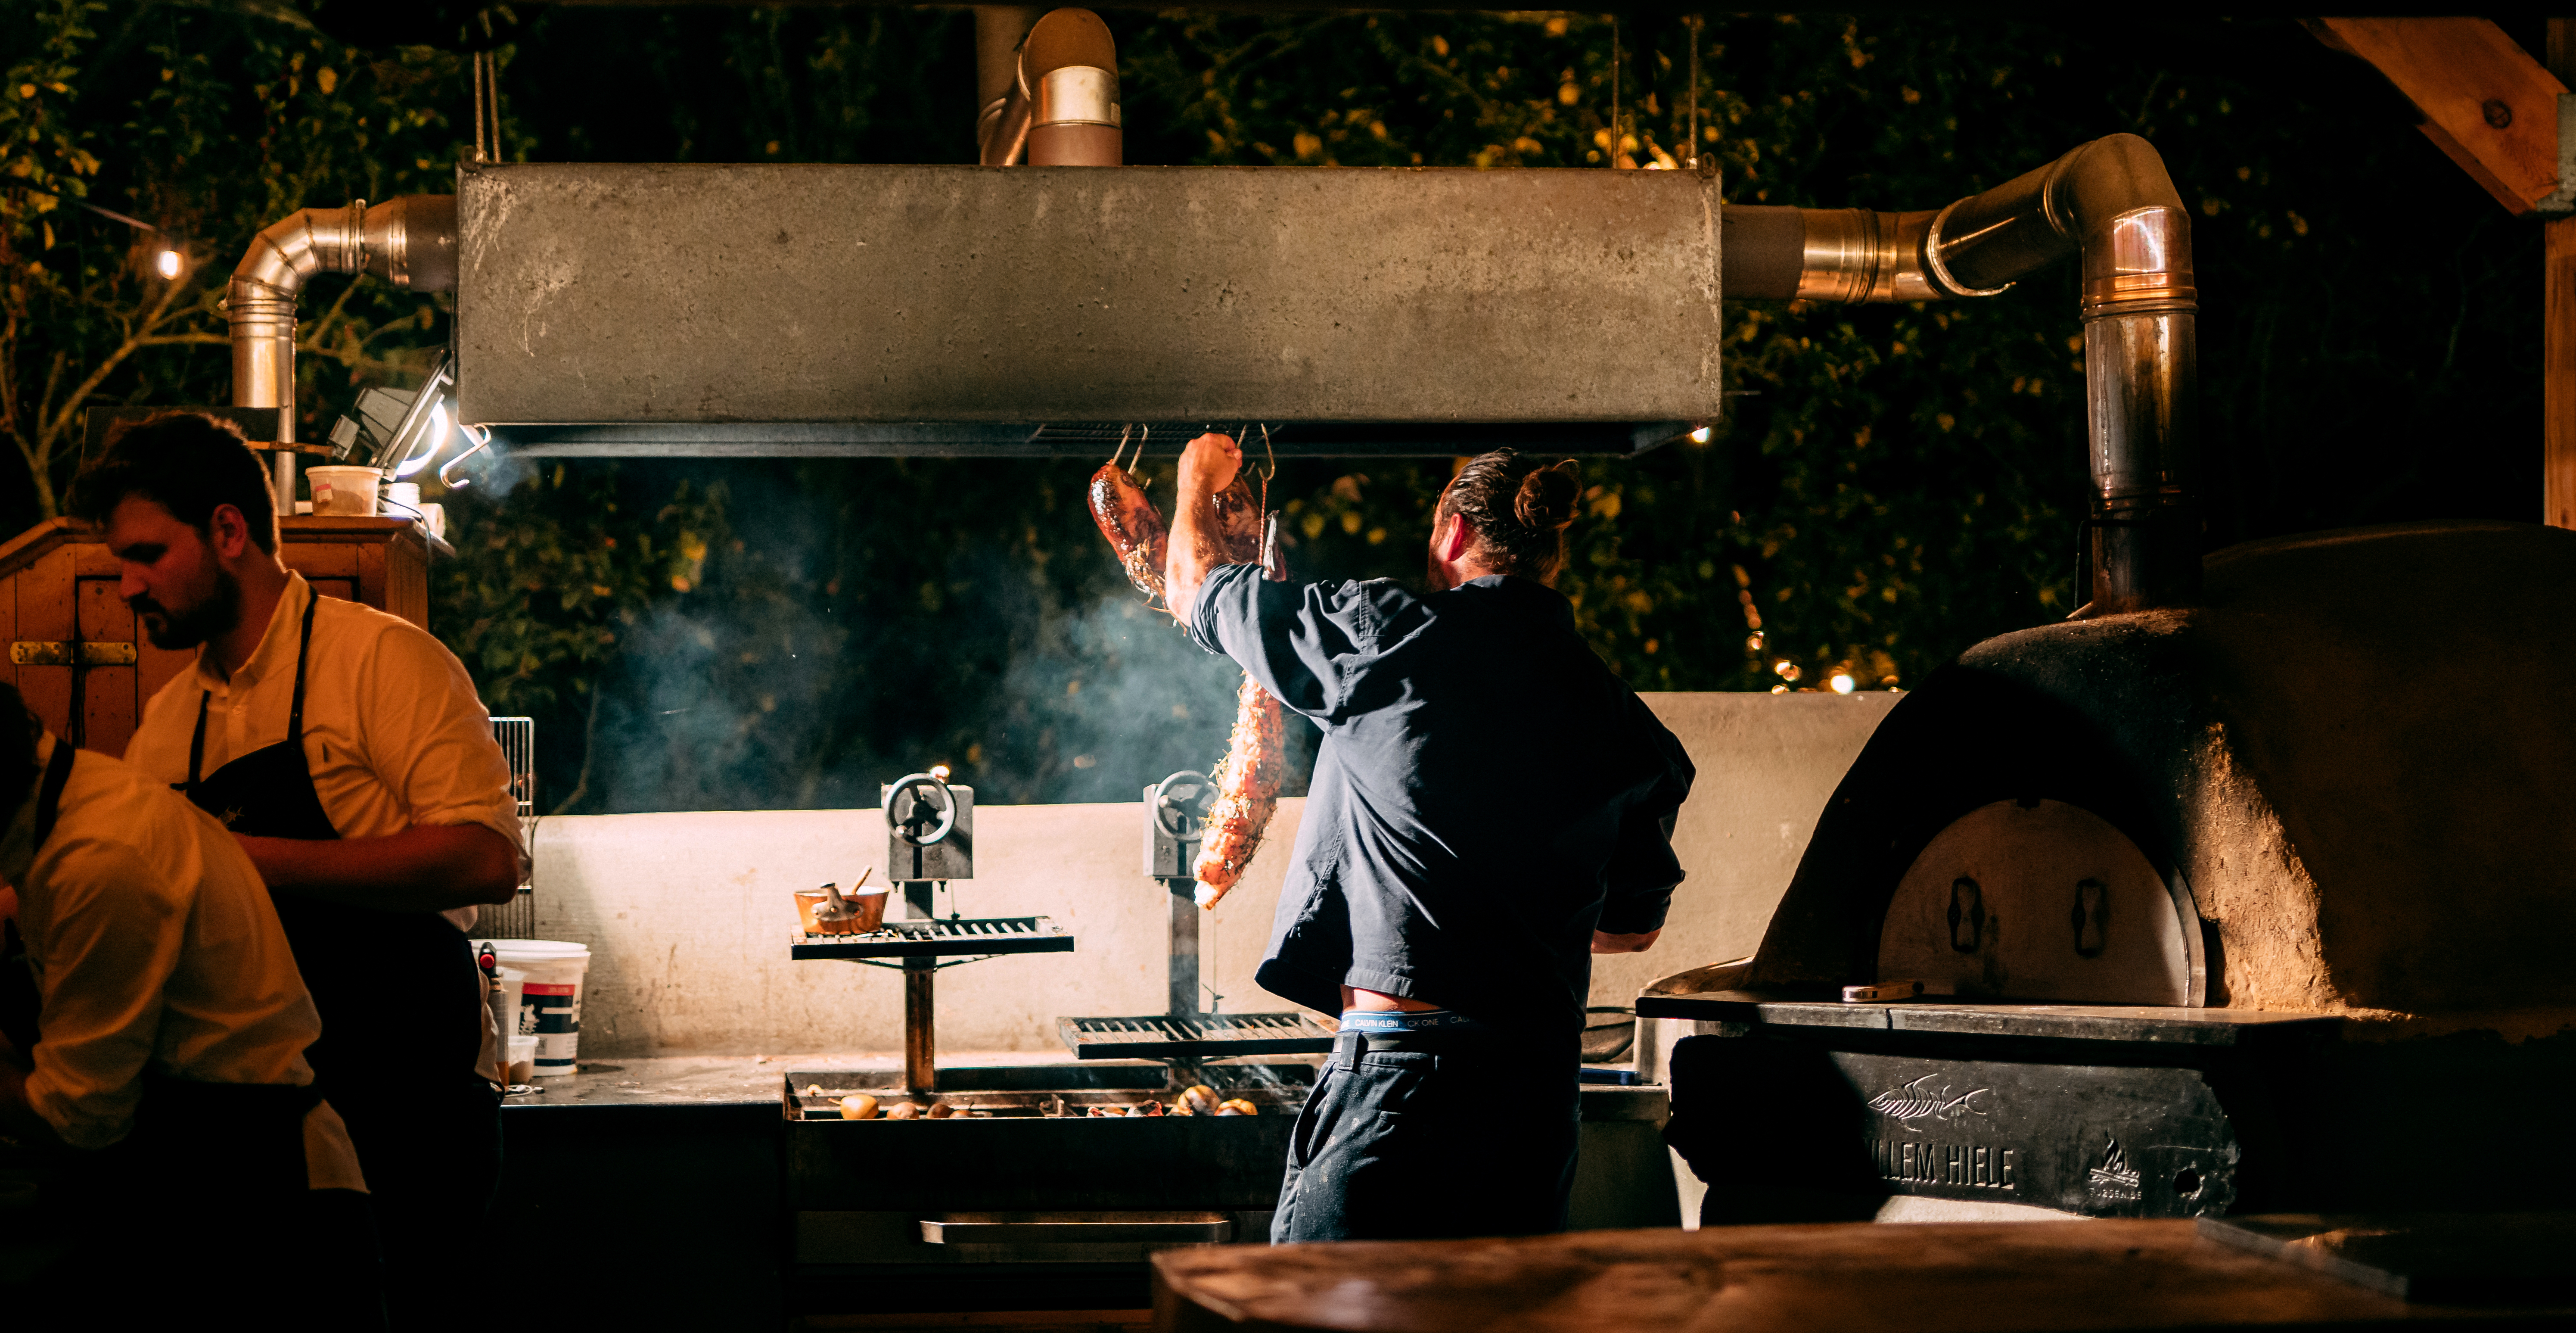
790	635
1113	699
722	706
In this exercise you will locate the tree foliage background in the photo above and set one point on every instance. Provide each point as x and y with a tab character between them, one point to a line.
1894	482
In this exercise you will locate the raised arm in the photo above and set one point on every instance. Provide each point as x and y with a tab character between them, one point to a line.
1208	466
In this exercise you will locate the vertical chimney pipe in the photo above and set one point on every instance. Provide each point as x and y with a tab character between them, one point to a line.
2109	201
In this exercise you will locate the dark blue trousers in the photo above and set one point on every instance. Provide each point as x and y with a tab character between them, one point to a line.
1433	1136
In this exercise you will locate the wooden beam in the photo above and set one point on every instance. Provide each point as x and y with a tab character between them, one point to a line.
2558	338
2484	100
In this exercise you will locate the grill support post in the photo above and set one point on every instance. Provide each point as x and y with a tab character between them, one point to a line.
920	1041
1183	983
920	1022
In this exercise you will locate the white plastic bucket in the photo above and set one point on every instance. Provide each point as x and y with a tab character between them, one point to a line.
344	490
544	978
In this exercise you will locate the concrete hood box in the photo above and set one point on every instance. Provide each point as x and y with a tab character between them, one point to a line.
726	297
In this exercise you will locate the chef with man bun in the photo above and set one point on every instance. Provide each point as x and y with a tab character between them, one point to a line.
156	1030
1490	807
348	753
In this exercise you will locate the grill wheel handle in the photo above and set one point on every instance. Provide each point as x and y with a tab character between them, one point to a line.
1180	805
907	826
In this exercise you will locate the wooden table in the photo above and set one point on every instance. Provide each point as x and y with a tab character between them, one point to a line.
1846	1278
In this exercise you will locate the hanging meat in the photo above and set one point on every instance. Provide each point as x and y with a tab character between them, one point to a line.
1247	792
1135	529
1247	779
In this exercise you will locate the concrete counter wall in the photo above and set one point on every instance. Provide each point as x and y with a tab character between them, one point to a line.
688	915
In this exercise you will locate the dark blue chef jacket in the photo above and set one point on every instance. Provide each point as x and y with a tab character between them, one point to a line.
1486	796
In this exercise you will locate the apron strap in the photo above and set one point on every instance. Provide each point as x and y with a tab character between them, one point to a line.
19	1003
49	795
303	654
197	744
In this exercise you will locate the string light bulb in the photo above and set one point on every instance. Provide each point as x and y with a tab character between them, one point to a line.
167	264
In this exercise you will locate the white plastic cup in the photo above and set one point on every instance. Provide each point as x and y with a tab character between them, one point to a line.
544	978
523	1058
349	491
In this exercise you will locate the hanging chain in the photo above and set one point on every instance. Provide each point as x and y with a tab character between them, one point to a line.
1691	158
1616	137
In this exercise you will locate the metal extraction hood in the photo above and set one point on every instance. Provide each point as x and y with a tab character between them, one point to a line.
716	310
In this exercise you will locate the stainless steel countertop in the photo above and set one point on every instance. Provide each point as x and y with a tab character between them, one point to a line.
720	1080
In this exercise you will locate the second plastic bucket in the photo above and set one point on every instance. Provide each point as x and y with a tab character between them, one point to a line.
546	977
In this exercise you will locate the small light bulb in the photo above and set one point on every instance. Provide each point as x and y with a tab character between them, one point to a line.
1700	436
1842	683
167	264
939	771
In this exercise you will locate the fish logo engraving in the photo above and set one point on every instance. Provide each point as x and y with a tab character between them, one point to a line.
1912	1101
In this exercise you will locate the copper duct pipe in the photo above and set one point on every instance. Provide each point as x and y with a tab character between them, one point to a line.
410	241
1060	103
1002	122
2109	201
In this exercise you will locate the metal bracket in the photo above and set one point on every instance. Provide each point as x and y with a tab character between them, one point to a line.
34	652
2563	202
905	964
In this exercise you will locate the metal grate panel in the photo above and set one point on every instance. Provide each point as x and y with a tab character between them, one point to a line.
1196	1036
941	939
517	918
518	740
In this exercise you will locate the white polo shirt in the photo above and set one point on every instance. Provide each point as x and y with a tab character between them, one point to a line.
153	944
394	733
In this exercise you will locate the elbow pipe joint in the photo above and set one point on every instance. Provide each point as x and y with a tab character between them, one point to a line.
2109	203
1062	107
410	241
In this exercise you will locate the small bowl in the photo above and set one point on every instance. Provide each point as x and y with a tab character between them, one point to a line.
871	905
869	917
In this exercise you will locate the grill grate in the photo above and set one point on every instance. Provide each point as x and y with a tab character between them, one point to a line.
1194	1036
978	936
517	918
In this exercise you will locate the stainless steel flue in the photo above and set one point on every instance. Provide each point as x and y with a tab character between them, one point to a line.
410	241
2109	201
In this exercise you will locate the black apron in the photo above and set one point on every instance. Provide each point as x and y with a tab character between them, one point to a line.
402	1032
397	990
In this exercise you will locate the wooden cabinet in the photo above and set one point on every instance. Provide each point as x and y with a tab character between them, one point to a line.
74	650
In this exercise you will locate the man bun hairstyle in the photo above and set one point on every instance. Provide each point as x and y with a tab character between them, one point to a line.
186	462
1521	508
